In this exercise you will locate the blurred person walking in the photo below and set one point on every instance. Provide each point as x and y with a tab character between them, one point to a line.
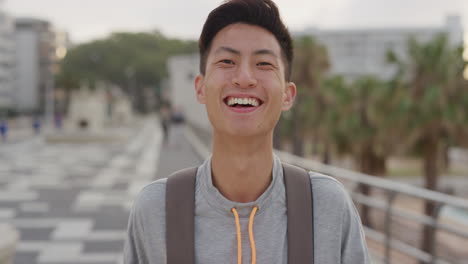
36	124
58	121
165	118
3	129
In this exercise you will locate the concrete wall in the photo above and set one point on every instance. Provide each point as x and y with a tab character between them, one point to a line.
88	110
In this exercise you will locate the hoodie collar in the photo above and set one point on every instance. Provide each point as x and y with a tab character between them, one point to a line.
223	205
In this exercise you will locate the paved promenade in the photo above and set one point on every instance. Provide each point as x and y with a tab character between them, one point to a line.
71	202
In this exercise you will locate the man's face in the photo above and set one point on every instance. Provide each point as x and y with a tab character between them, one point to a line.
244	88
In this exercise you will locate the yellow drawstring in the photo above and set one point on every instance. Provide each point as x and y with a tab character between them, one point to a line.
251	236
252	241
239	242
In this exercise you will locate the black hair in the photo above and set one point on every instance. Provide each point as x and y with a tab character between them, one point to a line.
262	13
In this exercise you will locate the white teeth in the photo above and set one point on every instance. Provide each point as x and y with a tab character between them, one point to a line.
243	101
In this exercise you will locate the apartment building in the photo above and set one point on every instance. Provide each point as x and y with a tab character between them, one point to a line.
35	58
357	52
7	61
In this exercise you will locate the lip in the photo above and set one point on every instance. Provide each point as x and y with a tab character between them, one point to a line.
242	110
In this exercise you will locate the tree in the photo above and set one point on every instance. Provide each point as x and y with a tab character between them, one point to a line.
438	102
363	119
133	61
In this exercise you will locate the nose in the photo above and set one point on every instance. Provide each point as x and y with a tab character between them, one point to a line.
244	77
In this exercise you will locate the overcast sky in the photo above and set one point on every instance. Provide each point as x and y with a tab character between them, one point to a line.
90	19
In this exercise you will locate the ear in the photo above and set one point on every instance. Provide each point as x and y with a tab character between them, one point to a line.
200	89
288	96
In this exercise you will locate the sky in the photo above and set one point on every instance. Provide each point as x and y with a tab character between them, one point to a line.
86	20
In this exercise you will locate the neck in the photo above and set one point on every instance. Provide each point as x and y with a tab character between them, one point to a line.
242	167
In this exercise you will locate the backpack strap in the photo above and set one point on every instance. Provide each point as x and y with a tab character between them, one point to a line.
180	211
300	215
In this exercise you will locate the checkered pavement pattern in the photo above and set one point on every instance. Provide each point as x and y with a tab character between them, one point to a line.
70	202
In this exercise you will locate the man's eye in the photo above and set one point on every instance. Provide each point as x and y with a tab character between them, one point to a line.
227	61
264	63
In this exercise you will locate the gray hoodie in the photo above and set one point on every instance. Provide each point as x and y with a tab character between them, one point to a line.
338	234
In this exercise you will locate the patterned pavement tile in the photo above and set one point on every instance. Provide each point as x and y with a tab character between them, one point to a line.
71	202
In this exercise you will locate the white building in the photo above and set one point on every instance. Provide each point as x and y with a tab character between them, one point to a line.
357	52
35	55
182	72
7	60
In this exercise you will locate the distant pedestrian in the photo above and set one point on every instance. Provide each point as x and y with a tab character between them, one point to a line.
3	130
58	121
37	125
165	115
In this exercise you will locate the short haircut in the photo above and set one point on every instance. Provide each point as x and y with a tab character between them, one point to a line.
262	13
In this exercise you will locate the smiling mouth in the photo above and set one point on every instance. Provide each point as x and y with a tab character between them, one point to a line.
242	102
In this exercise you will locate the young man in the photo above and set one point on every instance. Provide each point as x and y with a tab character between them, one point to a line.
246	56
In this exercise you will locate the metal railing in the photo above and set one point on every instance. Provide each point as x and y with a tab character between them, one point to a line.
388	192
391	190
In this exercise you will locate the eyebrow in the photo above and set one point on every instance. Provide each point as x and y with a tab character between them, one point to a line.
236	52
265	52
228	49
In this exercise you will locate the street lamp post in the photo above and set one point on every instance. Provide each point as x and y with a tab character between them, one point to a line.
130	75
49	111
50	83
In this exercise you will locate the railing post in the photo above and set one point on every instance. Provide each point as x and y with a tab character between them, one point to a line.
391	195
434	228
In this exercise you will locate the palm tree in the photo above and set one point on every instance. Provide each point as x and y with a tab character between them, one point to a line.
433	76
362	119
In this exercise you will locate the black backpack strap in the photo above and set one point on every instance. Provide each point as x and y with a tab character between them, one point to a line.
180	212
300	215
